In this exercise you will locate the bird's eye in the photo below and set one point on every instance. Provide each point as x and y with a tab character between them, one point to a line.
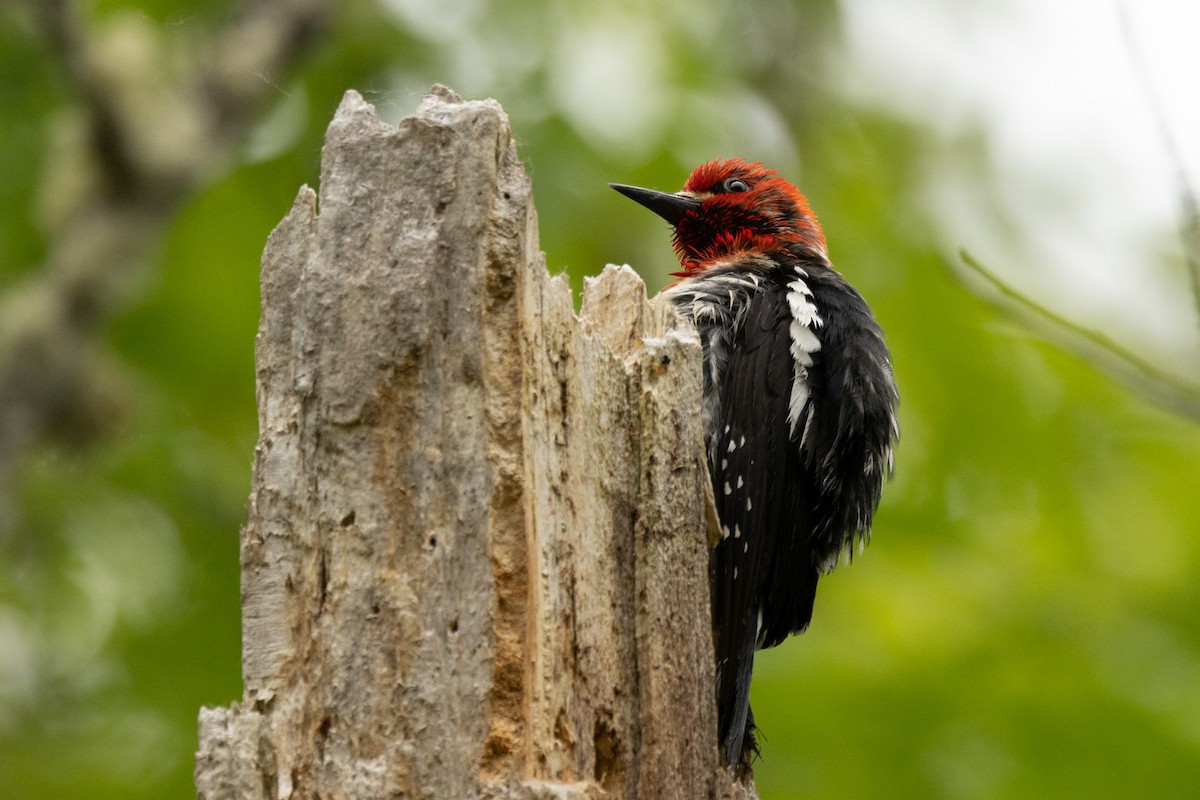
735	185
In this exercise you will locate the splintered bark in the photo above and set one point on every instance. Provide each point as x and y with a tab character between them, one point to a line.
475	560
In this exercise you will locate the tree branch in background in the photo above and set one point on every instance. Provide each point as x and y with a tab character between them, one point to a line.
1163	389
1190	234
1189	224
151	135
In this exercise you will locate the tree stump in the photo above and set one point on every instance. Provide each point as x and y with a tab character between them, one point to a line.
475	564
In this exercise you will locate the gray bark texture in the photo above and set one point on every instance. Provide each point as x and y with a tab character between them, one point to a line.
475	564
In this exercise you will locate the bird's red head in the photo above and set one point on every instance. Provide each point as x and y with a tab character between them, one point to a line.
730	209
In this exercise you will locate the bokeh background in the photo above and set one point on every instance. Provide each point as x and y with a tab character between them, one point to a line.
1025	623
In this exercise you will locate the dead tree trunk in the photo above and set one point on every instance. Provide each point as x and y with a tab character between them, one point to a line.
475	561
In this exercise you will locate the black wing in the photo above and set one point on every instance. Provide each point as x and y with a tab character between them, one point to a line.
760	498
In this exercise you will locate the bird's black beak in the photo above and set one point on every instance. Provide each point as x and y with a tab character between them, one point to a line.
670	207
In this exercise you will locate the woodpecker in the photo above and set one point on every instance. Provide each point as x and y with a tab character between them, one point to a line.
798	410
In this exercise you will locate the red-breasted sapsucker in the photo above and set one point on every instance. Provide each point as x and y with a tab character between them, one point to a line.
799	409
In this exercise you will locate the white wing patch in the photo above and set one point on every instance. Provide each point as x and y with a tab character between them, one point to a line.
802	331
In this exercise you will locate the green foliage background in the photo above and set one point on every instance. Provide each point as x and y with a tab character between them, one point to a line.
1024	624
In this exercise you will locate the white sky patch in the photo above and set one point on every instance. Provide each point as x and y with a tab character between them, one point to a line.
440	20
1083	196
608	78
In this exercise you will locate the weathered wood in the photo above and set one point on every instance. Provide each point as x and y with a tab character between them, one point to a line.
475	560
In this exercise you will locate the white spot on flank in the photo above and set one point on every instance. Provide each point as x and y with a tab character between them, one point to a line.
749	505
732	445
727	489
735	573
737	531
724	531
742	443
739	483
724	463
746	546
727	429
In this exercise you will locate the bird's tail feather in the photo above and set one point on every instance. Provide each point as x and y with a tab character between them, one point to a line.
733	697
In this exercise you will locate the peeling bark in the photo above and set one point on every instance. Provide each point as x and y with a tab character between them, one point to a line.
475	560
